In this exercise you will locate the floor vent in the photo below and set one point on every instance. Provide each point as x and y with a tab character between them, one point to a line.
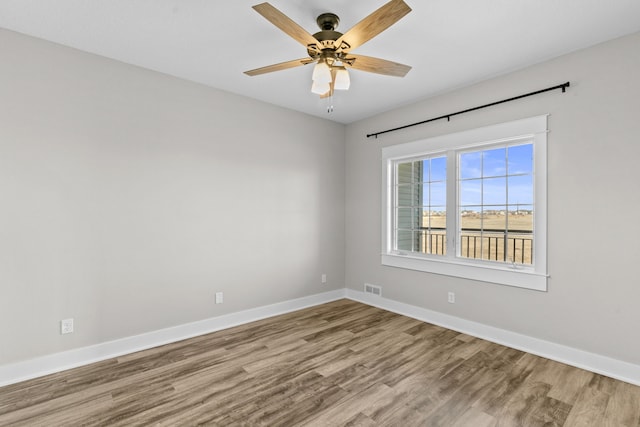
373	289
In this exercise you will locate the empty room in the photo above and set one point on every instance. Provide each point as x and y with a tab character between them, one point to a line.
319	213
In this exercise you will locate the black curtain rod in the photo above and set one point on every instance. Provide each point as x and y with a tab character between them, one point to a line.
563	86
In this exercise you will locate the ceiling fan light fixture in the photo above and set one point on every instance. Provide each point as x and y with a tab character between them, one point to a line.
330	51
342	81
321	73
320	88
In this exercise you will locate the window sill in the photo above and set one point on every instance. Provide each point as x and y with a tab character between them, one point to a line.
518	277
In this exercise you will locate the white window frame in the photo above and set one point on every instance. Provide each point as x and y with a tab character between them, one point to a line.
533	129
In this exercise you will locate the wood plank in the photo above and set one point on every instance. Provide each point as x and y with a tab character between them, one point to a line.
341	363
623	408
589	409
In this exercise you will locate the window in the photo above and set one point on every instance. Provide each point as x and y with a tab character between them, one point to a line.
470	204
420	208
495	207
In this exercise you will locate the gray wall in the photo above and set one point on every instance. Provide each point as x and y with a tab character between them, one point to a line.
128	198
593	202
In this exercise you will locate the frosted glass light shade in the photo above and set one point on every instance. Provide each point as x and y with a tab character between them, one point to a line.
342	79
320	88
321	73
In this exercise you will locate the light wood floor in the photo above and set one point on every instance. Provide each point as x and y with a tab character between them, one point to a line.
342	363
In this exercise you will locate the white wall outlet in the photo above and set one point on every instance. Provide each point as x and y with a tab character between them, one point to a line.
451	297
219	298
323	278
66	326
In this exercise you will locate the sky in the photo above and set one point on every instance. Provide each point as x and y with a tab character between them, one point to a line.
493	178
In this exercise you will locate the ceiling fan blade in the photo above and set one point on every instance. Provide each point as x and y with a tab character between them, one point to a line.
373	25
280	66
377	65
285	23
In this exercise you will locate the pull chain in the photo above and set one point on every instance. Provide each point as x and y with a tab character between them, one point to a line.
330	104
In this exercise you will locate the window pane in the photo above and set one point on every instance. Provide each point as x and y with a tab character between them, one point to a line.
420	191
497	205
423	217
521	218
422	241
409	172
405	173
405	218
471	218
405	195
493	246
470	244
520	159
471	165
494	191
438	169
433	242
416	195
520	248
417	218
494	221
520	190
470	192
418	171
436	217
438	194
494	218
520	245
423	170
494	162
404	240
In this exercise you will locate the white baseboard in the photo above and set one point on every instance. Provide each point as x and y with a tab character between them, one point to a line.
599	364
28	369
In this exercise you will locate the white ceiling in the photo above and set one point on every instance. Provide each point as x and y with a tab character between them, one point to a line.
449	43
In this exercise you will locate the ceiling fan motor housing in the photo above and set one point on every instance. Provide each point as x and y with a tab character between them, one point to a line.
328	22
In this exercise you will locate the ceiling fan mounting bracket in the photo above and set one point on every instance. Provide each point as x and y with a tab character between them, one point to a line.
328	21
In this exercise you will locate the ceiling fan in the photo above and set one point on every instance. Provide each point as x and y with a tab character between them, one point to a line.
331	50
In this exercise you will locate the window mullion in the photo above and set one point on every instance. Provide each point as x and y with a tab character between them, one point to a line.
452	204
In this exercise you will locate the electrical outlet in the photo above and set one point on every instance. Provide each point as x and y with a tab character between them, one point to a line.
66	326
219	298
323	278
451	298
